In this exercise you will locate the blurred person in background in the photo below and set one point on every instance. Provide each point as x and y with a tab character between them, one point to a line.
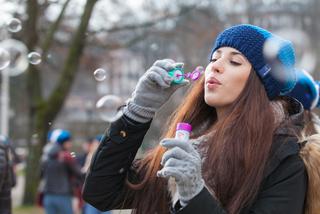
7	176
92	147
60	173
81	158
306	91
243	156
93	144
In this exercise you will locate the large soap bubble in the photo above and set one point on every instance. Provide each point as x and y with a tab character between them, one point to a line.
4	58
18	56
109	107
305	56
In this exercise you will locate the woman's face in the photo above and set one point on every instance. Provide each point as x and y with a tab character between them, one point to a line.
225	77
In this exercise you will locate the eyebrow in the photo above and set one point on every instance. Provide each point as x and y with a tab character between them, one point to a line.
232	53
236	53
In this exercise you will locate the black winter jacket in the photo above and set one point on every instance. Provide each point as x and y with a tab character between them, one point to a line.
283	188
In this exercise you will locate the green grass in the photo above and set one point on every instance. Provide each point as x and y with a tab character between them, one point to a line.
28	210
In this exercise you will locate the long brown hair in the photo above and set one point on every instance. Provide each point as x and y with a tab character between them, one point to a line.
237	149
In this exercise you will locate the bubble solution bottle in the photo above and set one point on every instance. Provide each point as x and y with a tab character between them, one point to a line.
183	131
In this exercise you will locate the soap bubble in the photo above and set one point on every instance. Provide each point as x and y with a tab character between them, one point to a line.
109	107
100	74
4	58
280	58
154	46
271	48
34	58
305	55
18	56
14	25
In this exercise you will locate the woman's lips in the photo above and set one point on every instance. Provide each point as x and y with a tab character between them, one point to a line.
212	83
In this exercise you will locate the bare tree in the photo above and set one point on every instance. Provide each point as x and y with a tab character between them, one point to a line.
43	111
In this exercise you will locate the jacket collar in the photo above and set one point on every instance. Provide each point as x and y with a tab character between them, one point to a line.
295	117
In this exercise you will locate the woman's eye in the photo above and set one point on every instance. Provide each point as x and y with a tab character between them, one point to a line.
213	60
235	63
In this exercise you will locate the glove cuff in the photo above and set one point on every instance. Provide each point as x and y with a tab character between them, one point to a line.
138	113
190	192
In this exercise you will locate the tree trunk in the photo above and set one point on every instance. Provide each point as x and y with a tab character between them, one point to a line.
46	111
34	92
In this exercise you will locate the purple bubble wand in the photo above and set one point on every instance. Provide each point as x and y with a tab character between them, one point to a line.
194	75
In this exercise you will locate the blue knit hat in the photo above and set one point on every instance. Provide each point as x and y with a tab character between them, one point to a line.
250	41
306	90
59	136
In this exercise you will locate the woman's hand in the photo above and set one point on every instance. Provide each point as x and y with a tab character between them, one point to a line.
154	88
182	162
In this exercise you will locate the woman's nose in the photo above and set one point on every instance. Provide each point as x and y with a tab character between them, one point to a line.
217	66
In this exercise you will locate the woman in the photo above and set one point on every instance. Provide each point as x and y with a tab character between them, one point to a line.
243	156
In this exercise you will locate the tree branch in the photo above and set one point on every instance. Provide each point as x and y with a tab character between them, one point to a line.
57	97
144	24
49	38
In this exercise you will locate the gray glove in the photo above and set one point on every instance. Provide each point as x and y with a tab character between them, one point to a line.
154	88
183	163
